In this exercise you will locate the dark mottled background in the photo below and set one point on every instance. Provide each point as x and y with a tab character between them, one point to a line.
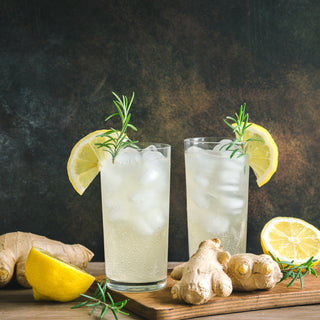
190	63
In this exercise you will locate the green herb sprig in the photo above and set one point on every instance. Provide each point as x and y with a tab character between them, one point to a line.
99	299
118	140
290	270
239	125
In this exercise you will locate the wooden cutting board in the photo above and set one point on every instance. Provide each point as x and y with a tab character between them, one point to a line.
159	305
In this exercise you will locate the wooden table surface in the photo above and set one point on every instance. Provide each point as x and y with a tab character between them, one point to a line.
17	303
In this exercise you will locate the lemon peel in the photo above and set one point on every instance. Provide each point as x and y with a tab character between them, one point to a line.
263	154
55	280
85	160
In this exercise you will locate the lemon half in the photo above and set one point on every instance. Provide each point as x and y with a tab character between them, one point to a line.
53	279
290	239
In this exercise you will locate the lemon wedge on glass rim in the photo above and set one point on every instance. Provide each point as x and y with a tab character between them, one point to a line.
55	280
263	154
289	238
85	160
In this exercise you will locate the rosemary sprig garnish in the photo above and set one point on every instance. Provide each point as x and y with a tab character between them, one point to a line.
290	270
239	125
99	299
119	139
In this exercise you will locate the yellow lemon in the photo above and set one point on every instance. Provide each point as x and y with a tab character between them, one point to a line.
263	155
85	160
290	239
53	279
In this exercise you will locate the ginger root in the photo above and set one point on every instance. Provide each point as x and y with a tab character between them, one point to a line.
202	277
251	272
212	271
15	247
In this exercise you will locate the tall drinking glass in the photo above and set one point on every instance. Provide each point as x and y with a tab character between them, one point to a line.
217	194
135	205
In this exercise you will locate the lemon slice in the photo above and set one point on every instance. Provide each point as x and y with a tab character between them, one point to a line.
291	239
85	160
53	279
263	155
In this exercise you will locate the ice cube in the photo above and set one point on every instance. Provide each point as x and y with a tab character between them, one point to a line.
202	160
142	227
149	222
113	208
229	187
155	169
229	176
155	218
152	154
221	148
128	156
150	148
232	204
150	175
143	200
201	180
110	178
193	149
217	225
201	199
222	145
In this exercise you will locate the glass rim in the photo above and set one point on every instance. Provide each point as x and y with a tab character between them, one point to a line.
212	139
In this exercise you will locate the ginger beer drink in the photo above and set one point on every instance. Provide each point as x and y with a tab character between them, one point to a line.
217	194
135	204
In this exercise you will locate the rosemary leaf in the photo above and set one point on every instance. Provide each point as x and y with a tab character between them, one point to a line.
118	139
297	272
239	125
103	299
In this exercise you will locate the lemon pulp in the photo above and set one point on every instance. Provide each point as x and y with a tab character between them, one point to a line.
290	239
85	159
263	155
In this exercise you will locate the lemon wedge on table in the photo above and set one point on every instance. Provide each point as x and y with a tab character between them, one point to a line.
85	159
53	279
290	239
263	155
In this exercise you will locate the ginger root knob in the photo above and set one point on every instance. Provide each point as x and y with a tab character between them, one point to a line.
15	247
202	277
213	272
262	272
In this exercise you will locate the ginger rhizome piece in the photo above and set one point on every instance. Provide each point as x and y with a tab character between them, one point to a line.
212	271
15	247
202	277
251	272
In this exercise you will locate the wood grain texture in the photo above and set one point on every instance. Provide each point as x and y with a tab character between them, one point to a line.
160	306
17	303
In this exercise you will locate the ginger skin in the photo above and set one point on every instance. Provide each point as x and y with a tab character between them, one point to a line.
213	272
15	247
202	277
251	272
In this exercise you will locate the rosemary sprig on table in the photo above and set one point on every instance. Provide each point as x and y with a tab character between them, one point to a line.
239	125
119	139
99	299
290	270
